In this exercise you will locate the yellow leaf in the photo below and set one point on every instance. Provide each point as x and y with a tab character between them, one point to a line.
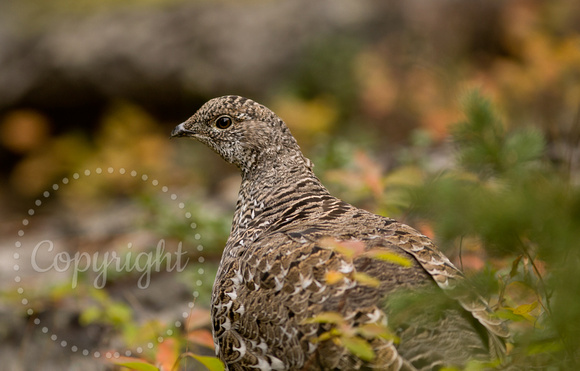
525	308
365	279
389	257
326	317
333	277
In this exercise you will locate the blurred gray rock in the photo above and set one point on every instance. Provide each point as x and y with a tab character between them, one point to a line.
200	49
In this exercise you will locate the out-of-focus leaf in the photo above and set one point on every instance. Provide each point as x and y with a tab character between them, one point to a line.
333	277
365	279
326	317
211	363
135	364
525	308
167	352
389	257
198	318
515	264
358	347
373	330
201	337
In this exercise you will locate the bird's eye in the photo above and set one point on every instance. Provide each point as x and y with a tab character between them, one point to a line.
223	122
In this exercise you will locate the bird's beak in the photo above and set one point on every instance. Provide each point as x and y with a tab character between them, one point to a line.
180	131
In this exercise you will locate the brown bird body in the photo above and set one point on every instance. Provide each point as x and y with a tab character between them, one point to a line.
289	235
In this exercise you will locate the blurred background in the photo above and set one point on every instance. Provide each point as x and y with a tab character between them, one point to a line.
374	92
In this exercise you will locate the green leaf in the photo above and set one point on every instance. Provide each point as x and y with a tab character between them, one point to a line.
373	330
139	366
90	315
515	265
211	363
359	347
326	317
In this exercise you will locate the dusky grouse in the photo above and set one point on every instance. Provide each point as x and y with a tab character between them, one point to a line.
297	258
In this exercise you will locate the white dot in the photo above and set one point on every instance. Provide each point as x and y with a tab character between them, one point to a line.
87	172
198	283
99	170
181	205
17	279
55	187
53	337
190	304
97	354
177	324
21	233
74	348
188	215
30	312
38	202
16	267
184	314
169	332
164	189
110	170
197	236
144	177
24	301
36	321
173	196
76	175
116	355
46	194
122	170
201	259
31	212
45	330
16	255
195	294
108	355
193	225
200	271
64	180
18	243
199	248
85	352
128	353
20	290
63	343
160	339
129	245
150	345
139	350
133	173
24	221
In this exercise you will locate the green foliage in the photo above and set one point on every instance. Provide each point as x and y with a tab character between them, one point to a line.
514	205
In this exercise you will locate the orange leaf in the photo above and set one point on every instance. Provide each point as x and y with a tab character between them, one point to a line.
198	318
201	337
333	277
167	353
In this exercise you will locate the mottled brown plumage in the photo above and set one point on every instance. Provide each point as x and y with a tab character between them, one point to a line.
288	233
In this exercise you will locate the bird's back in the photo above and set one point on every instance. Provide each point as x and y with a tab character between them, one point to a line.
301	252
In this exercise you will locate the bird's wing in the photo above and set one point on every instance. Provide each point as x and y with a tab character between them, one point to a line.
450	279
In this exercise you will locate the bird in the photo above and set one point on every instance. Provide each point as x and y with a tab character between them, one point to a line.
309	282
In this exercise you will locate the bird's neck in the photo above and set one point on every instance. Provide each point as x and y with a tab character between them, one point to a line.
268	191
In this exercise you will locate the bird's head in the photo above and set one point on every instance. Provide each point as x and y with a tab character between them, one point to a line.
243	132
